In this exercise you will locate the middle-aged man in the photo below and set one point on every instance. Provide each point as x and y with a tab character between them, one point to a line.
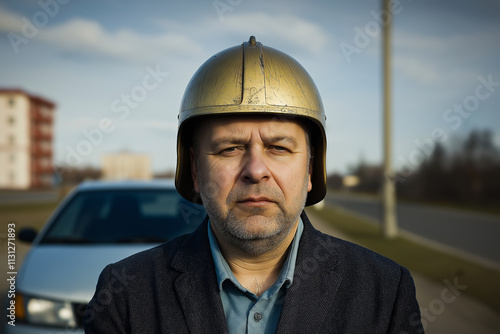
251	149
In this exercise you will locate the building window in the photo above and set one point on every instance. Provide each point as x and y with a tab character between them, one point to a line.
12	158
11	101
11	120
12	140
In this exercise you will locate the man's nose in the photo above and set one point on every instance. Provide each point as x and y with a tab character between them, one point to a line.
255	168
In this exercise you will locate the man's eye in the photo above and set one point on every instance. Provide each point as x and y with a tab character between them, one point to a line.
229	149
279	148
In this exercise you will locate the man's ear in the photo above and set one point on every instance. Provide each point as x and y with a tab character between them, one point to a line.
311	165
194	169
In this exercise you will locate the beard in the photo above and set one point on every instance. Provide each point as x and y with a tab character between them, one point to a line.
254	230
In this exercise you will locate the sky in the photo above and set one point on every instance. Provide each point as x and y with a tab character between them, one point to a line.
117	70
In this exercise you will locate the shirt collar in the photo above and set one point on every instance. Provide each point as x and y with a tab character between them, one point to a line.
224	273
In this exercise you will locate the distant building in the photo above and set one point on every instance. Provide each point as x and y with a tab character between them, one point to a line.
126	166
350	181
26	133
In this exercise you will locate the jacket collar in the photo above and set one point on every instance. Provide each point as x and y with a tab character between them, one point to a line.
197	287
315	283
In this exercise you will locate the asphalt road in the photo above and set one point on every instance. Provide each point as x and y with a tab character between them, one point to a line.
464	315
473	233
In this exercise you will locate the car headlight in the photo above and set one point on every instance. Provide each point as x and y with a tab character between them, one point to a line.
42	311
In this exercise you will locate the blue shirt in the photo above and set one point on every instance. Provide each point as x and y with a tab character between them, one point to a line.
244	311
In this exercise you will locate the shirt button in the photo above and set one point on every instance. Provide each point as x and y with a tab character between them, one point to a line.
257	316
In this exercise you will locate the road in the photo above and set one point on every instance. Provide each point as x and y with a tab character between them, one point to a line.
462	316
469	232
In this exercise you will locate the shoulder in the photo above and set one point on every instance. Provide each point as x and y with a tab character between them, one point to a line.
359	269
126	288
367	291
160	255
169	259
137	272
352	260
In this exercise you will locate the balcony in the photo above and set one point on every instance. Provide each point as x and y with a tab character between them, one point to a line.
41	117
36	133
39	169
39	151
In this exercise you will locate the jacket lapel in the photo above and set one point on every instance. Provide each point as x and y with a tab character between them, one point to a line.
197	287
315	283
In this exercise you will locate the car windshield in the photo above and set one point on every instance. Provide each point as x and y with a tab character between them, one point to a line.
124	216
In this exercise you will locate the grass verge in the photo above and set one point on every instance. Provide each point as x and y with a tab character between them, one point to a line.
27	207
481	282
26	214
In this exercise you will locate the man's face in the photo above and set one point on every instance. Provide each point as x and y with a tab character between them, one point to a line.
253	176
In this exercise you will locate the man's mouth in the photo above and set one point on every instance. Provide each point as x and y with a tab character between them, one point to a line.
256	201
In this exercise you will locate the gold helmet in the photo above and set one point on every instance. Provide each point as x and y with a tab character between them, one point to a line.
251	79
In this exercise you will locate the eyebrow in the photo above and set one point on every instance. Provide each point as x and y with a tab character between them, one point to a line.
216	144
287	139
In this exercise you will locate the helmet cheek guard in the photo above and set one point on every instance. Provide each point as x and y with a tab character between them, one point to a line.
251	79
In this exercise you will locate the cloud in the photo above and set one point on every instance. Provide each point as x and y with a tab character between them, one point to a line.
289	28
90	38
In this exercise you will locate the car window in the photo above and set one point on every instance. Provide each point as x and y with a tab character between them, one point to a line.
124	216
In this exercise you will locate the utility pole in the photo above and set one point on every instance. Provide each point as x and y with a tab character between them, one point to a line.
389	223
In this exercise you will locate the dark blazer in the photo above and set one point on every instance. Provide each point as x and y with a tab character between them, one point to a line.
338	287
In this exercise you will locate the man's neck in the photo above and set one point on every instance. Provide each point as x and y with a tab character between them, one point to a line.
258	273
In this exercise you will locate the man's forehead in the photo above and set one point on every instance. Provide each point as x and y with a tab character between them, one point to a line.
236	124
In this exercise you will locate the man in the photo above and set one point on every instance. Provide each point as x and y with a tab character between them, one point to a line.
251	149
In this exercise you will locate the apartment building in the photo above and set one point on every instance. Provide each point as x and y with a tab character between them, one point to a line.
26	136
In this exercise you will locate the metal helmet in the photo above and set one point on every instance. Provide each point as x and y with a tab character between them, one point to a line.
251	79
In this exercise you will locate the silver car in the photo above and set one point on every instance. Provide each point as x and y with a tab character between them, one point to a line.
97	224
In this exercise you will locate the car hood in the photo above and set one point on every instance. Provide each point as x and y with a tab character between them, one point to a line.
69	272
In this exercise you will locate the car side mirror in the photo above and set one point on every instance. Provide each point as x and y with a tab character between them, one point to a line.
27	234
